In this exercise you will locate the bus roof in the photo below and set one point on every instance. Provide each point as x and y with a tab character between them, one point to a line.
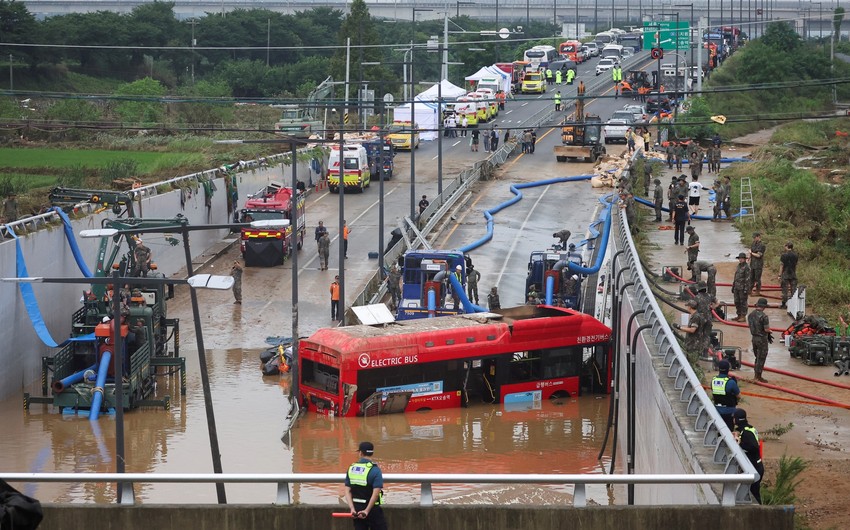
458	336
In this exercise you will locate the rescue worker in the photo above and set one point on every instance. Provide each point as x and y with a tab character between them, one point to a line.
726	205
571	75
334	290
788	273
458	274
617	77
671	197
324	250
472	277
562	236
548	76
760	330
493	299
725	392
741	288
701	266
141	258
682	187
345	232
363	491
558	77
558	101
236	272
670	153
423	204
694	342
394	284
718	198
757	250
692	249
658	199
748	439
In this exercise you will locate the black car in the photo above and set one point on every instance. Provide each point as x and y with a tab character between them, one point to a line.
563	65
658	102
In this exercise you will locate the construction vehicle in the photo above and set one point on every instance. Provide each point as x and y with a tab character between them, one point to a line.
581	138
267	247
303	121
83	370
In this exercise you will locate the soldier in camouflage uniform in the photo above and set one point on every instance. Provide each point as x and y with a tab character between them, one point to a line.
718	196
741	288
760	330
695	343
756	261
394	284
658	199
670	151
236	272
788	273
701	266
680	156
726	205
692	249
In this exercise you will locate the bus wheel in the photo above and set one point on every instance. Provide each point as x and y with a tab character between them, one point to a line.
560	394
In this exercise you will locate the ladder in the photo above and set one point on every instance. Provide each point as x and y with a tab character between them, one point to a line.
748	207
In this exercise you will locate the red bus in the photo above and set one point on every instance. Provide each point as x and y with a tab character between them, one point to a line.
570	50
525	353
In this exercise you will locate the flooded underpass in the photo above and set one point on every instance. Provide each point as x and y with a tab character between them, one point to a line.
561	436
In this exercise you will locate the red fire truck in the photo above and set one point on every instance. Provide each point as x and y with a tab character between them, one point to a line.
267	247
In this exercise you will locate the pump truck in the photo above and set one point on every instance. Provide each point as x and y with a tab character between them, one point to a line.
581	138
83	369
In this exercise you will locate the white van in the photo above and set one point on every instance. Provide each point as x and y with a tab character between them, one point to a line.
612	50
492	84
358	174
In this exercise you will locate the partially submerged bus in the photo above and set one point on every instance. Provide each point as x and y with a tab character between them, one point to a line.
526	353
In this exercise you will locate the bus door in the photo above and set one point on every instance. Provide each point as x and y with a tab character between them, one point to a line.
480	381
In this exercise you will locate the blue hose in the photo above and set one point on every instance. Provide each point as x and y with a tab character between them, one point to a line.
72	242
432	303
550	289
97	393
62	384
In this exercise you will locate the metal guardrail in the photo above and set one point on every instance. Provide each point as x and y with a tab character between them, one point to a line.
699	407
34	223
426	481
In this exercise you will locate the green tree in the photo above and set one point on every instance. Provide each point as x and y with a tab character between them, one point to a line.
103	28
17	25
139	105
360	28
781	36
696	123
837	18
154	25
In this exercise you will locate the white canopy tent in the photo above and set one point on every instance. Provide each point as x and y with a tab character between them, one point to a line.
425	115
448	91
491	72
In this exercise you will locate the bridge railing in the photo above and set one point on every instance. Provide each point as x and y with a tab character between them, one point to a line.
283	481
663	345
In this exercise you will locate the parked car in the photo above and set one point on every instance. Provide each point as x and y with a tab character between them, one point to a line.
638	111
605	64
624	115
627	53
563	65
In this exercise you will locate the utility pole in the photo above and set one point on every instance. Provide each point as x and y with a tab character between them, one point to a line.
11	75
193	50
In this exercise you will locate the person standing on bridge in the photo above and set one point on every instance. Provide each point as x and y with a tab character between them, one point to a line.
571	75
558	77
364	484
334	290
548	76
748	439
473	141
345	231
423	204
558	101
759	324
494	139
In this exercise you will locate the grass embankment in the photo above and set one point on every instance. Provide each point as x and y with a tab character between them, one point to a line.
801	188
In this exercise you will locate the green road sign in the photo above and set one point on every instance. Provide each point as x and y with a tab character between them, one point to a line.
667	30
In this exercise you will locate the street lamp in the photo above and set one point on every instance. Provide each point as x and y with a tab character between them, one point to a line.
690	43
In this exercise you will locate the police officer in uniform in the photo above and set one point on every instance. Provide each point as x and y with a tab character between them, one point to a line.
363	491
759	324
725	391
748	439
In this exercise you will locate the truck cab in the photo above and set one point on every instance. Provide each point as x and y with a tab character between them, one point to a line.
381	157
267	247
356	169
297	121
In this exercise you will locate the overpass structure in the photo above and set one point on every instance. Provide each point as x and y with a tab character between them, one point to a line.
596	15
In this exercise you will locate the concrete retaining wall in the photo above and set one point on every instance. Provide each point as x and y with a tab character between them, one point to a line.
47	254
233	517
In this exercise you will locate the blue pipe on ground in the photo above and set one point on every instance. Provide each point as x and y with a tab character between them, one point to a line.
62	384
97	393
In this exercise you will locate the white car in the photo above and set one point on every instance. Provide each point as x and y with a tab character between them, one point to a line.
605	64
615	130
638	111
627	52
592	48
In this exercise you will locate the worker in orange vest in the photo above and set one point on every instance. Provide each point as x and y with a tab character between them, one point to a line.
335	298
345	231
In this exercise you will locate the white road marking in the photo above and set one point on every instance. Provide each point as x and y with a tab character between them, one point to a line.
519	235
